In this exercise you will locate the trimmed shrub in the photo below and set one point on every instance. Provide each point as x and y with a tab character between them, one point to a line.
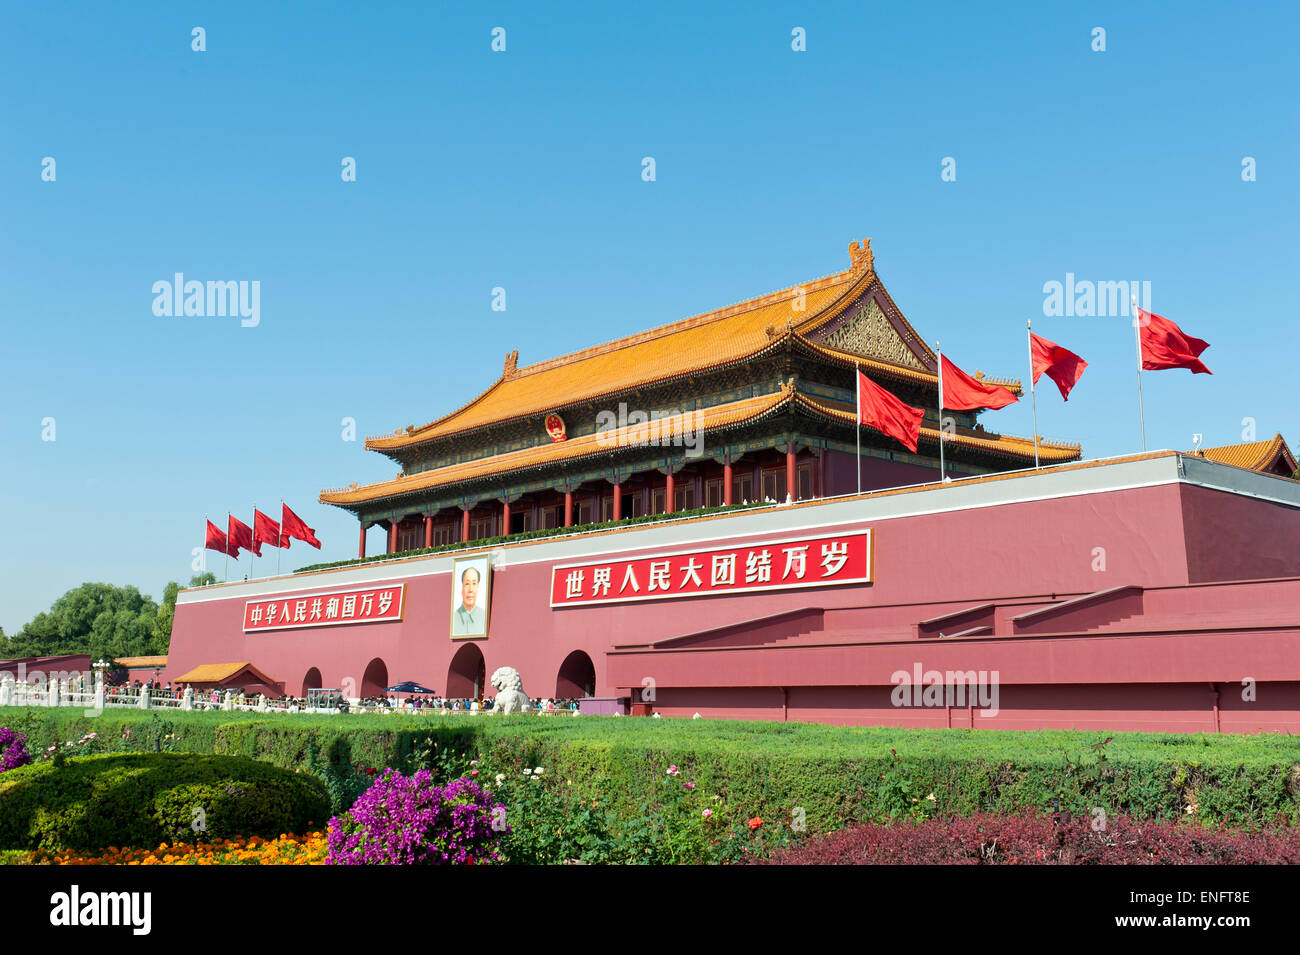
1044	840
838	776
407	820
143	799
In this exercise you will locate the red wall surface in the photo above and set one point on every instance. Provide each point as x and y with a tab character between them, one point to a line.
1139	660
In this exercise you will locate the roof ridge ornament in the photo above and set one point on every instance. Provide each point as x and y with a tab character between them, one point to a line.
861	258
511	368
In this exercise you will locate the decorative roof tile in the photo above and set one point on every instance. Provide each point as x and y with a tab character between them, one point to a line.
727	415
1271	455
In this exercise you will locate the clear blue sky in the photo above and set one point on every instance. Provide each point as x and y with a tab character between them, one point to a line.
523	170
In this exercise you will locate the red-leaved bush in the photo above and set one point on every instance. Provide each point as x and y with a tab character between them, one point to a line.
1044	840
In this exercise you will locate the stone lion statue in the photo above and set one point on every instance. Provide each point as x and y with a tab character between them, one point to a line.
510	692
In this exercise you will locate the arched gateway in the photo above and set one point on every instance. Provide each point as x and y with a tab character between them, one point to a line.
577	677
467	675
375	679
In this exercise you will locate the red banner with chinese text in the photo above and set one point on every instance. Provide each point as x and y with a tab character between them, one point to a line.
362	605
820	561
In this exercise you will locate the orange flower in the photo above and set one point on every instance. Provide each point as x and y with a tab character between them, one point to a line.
755	822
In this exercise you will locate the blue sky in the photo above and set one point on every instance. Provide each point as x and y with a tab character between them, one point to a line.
522	170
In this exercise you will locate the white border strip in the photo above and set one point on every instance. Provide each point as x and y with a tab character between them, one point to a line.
578	547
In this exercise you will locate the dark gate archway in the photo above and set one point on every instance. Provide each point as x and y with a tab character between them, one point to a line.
467	675
312	681
577	677
376	678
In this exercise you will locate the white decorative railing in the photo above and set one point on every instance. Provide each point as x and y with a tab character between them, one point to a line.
61	693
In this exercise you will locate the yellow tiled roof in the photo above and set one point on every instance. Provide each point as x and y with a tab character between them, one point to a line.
216	672
140	663
1049	451
718	416
689	346
900	371
1253	455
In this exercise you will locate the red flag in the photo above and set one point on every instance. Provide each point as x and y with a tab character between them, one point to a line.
961	392
291	525
216	540
265	531
886	412
1164	345
1059	364
241	535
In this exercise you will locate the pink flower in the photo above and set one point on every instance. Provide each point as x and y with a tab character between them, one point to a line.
672	770
707	813
688	785
473	772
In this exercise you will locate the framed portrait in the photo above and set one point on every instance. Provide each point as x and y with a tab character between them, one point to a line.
471	596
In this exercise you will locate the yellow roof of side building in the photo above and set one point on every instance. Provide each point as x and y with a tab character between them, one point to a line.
1272	455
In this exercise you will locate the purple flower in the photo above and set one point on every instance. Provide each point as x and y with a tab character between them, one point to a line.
13	749
404	820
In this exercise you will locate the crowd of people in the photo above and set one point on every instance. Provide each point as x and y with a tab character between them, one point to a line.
411	702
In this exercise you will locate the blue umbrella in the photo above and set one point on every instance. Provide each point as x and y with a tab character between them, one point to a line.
408	687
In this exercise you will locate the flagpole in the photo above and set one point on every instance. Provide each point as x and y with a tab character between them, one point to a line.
939	352
1033	394
1137	341
857	428
279	534
225	573
253	541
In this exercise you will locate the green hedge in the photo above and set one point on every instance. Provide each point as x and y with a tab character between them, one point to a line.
144	799
534	534
837	775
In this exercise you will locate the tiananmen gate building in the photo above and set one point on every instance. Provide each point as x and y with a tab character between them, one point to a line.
1131	593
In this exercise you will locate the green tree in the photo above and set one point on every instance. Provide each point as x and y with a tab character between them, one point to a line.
102	620
95	618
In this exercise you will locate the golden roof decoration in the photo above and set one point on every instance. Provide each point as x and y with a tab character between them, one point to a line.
861	258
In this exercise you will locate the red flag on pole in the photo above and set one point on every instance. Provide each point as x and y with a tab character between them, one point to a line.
961	392
1164	345
240	535
216	540
886	412
1059	364
265	531
291	526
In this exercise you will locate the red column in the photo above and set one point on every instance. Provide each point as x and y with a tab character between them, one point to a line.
668	495
726	484
464	525
361	549
505	518
791	487
618	501
392	537
568	508
428	530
